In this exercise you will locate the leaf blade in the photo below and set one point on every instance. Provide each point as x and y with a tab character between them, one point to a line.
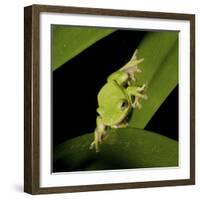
67	42
161	77
124	148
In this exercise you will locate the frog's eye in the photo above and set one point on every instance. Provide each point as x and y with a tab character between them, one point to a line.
124	104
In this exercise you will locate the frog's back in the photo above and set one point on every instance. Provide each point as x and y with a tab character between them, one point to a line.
110	100
111	92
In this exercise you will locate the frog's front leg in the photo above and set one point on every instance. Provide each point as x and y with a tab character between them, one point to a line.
99	134
138	93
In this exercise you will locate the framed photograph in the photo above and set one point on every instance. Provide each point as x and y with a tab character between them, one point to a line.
109	99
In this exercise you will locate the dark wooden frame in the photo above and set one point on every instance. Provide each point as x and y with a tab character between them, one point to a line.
31	98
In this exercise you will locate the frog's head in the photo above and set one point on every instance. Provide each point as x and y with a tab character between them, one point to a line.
114	104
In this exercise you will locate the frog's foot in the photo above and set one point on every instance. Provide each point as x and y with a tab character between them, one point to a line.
132	69
131	72
95	143
134	61
92	145
132	66
138	93
98	137
136	103
142	89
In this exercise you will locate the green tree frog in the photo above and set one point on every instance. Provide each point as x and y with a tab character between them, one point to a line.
117	98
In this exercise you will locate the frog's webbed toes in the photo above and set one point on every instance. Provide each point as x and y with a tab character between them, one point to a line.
136	103
132	66
142	89
92	145
99	136
95	143
139	70
139	94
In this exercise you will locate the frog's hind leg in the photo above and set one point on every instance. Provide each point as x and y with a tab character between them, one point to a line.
132	66
99	134
96	141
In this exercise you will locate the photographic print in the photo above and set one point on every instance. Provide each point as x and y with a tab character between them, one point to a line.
109	99
115	98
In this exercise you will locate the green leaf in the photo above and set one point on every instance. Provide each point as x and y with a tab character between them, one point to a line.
123	148
67	42
159	71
